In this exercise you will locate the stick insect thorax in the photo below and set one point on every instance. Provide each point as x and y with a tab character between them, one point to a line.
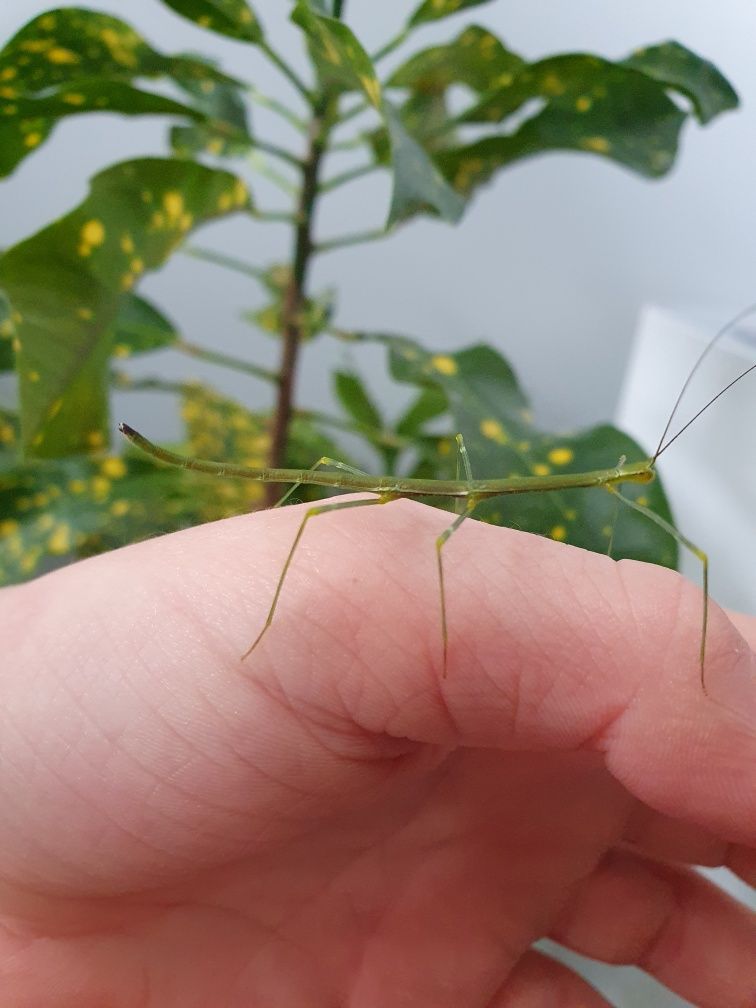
467	492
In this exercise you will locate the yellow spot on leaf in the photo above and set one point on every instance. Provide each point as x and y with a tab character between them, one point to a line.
60	541
186	221
600	145
84	313
48	22
32	140
157	221
137	266
113	467
95	439
127	243
33	376
240	193
552	85
561	456
127	281
73	98
45	522
77	486
55	408
119	508
540	469
8	73
8	527
493	430
570	514
559	533
643	501
444	365
204	21
372	89
91	236
100	487
173	202
6	434
225	202
61	56
583	103
121	350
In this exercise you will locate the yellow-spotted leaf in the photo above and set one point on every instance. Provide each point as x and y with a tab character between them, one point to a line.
67	283
219	428
72	61
491	412
34	117
7	332
475	58
337	49
434	10
224	131
684	71
587	104
139	328
233	18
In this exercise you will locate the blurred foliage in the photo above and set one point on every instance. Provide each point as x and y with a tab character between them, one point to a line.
442	122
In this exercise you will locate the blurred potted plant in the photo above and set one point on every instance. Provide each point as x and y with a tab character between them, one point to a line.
70	314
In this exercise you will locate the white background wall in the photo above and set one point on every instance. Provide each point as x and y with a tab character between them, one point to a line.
551	263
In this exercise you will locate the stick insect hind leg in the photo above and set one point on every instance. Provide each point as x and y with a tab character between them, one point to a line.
468	506
310	513
687	544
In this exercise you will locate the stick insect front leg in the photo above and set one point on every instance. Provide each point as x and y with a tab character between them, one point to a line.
310	513
687	544
470	503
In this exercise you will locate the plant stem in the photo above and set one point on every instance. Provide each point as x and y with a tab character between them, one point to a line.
278	152
390	46
348	176
276	106
229	262
287	71
224	360
294	295
352	239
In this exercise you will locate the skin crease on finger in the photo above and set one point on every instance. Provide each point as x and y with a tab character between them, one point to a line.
128	708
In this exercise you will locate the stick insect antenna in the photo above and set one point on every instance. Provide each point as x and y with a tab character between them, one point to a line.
734	321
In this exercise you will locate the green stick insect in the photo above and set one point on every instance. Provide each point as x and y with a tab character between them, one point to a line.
467	493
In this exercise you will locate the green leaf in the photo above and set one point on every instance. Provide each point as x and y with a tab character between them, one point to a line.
356	400
225	133
493	415
419	186
139	328
70	61
434	10
227	17
476	58
7	332
338	49
683	71
68	281
588	104
429	405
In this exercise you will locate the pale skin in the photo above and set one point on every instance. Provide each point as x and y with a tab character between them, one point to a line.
335	824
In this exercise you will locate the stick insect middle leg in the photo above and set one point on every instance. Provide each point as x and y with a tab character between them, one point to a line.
687	544
469	506
310	513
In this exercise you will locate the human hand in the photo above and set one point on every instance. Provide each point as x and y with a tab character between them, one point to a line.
333	823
